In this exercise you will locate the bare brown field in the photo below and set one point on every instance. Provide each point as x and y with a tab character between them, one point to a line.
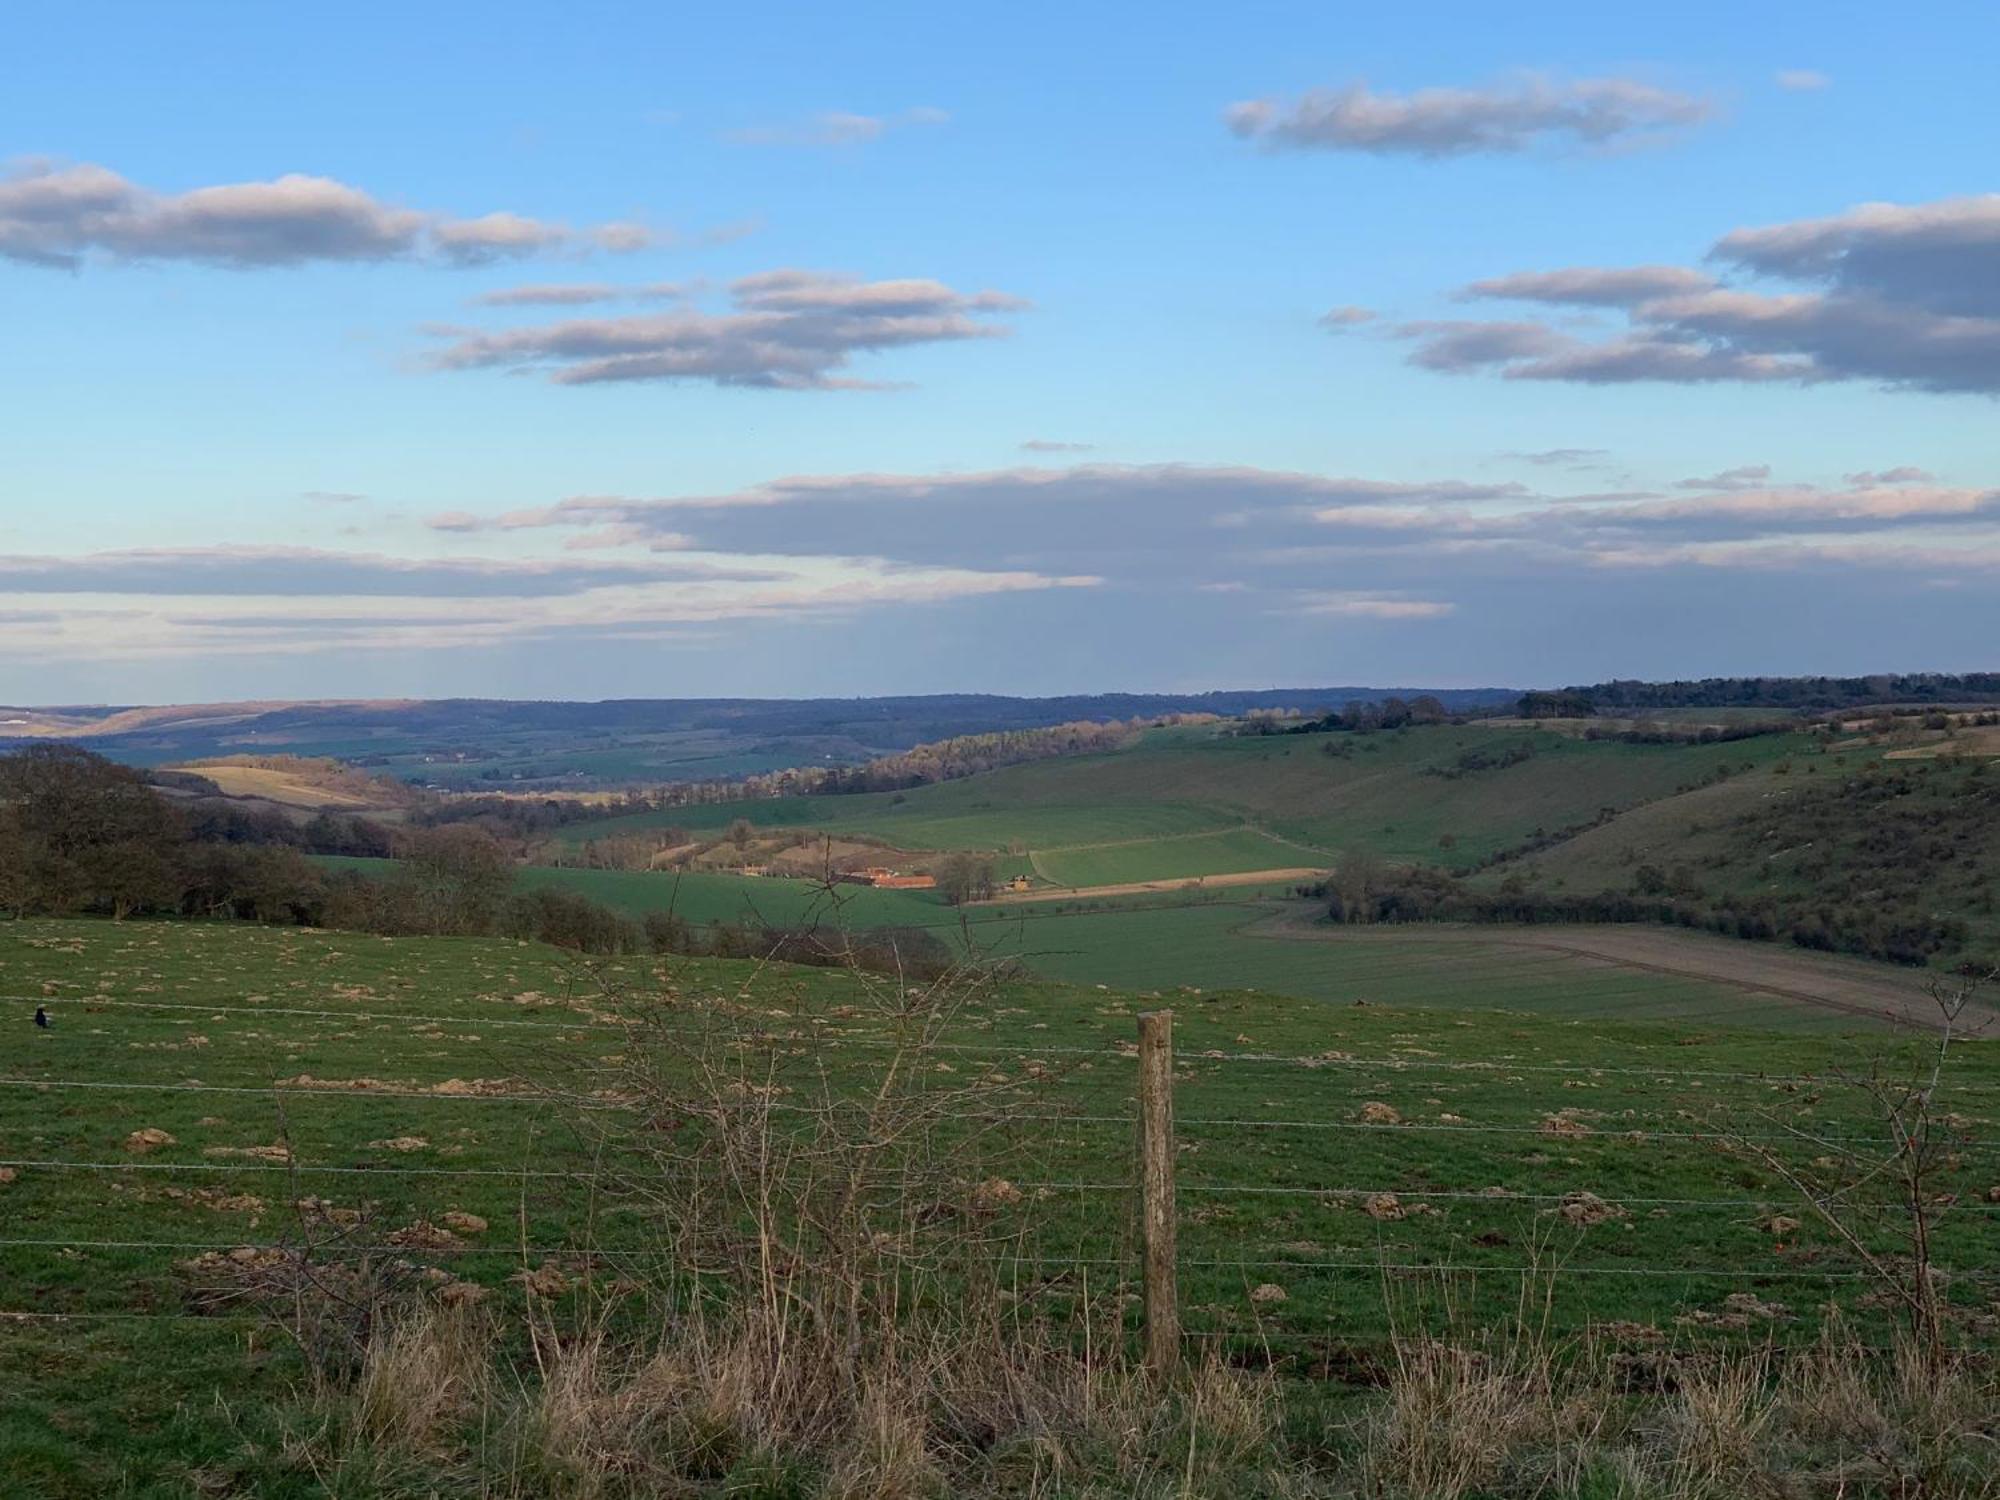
1825	981
1983	739
277	786
74	723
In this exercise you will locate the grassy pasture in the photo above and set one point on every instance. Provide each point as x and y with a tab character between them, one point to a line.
1396	794
1221	946
111	1374
1256	938
1223	853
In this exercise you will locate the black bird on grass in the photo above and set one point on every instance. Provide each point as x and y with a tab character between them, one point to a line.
42	1017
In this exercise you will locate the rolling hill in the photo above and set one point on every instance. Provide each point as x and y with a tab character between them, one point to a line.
1195	801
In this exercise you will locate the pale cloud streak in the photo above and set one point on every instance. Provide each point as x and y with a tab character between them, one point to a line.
227	601
1503	118
836	128
786	330
63	215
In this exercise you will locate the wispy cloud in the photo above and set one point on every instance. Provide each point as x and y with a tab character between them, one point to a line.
1361	606
787	330
1506	117
1561	458
1743	477
218	601
1802	80
56	215
836	128
581	294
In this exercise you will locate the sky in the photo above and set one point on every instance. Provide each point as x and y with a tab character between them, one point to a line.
638	351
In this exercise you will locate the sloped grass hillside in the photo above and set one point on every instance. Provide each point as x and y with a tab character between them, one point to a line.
1447	795
1895	858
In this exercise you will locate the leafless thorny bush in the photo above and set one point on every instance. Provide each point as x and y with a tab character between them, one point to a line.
1894	1187
842	1281
828	1166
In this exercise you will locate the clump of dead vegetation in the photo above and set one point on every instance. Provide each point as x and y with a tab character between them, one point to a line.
1619	1412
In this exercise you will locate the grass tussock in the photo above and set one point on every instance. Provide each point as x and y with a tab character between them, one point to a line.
450	1403
1580	1420
447	1405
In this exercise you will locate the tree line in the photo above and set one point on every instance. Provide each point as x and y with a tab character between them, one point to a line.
1799	694
83	835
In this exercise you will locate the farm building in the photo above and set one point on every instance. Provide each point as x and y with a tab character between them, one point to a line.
890	880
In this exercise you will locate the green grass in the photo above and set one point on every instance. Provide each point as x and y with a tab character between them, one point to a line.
1216	939
1378	793
1221	947
704	898
1223	853
132	1402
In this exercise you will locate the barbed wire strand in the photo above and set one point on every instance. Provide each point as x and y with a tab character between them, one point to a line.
1632	1135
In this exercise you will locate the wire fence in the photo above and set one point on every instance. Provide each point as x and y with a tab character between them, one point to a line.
1335	1076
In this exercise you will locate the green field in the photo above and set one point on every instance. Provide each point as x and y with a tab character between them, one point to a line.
1224	853
1229	938
703	898
1222	947
1405	795
115	1355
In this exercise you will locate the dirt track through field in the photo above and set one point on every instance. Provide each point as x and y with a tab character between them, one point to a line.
1829	982
1151	887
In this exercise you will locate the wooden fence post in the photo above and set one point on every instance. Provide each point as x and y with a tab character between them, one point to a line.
1156	1189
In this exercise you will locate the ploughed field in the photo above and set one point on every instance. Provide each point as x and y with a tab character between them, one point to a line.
213	1098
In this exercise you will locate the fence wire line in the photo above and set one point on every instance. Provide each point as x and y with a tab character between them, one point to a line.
1286	1338
1634	1135
299	1168
1111	1050
338	1249
1497	1198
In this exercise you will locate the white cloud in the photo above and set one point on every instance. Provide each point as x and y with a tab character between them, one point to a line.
1501	118
1370	607
222	601
789	330
61	215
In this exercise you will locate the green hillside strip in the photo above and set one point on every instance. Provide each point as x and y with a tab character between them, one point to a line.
703	898
1224	853
1406	795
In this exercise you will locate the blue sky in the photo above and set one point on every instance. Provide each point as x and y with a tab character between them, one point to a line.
897	348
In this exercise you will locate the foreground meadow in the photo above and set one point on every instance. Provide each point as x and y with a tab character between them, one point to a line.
216	1106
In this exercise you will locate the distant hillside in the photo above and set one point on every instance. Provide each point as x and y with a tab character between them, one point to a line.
290	781
474	743
1853	850
1185	802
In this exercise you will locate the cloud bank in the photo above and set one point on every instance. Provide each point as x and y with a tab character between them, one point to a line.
1903	295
